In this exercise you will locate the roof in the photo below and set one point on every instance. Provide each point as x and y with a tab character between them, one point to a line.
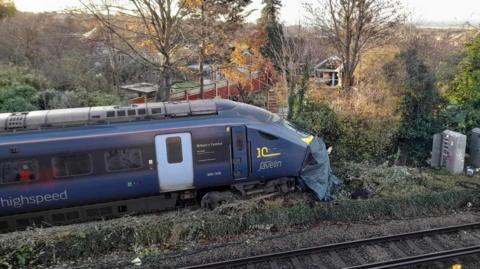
332	63
141	87
66	119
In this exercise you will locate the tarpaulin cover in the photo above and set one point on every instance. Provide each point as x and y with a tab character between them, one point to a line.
317	174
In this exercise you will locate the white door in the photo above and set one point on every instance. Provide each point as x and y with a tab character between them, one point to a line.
174	161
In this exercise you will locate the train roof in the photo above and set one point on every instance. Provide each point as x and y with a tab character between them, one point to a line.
108	115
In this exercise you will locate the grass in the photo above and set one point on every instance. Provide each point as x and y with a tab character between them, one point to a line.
186	85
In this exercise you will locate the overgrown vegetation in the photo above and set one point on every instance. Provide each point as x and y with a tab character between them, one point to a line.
420	103
147	235
463	91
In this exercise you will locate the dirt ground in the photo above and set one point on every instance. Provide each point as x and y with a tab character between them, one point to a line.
269	240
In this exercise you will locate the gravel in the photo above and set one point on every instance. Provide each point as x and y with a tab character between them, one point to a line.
268	241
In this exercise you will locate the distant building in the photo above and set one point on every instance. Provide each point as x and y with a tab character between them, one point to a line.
140	90
329	72
210	72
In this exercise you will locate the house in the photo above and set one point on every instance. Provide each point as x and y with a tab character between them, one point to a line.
329	72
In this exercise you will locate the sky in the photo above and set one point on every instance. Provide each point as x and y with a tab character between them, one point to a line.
421	11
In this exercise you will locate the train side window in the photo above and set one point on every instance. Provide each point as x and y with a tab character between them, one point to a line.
123	159
72	165
18	171
156	110
174	150
239	142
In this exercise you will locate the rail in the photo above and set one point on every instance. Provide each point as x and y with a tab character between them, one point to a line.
296	258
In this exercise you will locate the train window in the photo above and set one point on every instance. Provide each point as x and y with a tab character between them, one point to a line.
239	142
294	127
18	171
142	111
156	110
72	165
110	114
174	150
132	112
123	159
121	113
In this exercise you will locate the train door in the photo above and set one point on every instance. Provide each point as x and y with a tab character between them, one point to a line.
174	161
239	152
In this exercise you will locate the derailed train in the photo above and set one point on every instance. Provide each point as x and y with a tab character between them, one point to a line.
69	165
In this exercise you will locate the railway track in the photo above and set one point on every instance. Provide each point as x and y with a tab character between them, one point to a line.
427	247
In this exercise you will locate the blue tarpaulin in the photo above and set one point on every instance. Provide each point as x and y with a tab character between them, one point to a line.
317	174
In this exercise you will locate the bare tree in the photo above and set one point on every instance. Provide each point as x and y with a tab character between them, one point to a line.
150	31
353	26
293	56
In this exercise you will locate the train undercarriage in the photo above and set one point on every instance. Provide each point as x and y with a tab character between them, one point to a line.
208	199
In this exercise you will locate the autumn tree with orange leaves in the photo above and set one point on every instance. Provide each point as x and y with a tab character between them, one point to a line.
212	23
246	62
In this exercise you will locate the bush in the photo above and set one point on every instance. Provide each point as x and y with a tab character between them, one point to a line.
462	89
319	118
81	97
11	75
365	139
354	137
17	98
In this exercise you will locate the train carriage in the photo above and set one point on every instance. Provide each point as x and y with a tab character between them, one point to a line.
61	166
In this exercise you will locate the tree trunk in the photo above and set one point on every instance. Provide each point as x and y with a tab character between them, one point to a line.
291	98
163	94
403	157
291	101
303	88
202	79
347	80
202	53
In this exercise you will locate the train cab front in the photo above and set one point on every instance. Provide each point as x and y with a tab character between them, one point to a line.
316	175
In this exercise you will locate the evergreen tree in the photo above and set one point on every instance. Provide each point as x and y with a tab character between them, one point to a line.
272	28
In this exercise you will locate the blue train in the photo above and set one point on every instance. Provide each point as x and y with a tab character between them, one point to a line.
68	165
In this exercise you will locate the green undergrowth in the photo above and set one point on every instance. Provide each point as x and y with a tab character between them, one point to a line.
398	181
146	234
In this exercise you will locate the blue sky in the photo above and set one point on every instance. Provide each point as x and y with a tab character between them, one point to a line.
292	11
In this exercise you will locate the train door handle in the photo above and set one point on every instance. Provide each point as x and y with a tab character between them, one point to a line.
150	164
